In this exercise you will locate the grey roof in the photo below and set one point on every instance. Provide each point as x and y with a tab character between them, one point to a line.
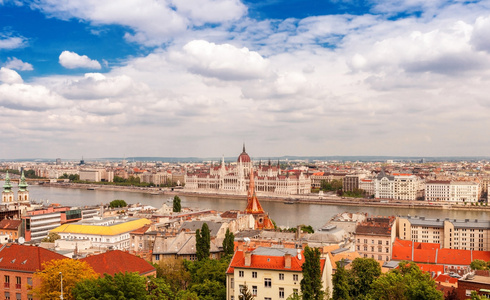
439	223
265	251
192	226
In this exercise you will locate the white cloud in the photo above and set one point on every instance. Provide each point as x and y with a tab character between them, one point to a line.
99	86
481	34
9	42
20	96
17	64
210	11
9	76
72	60
225	61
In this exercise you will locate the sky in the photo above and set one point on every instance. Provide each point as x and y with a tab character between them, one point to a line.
179	78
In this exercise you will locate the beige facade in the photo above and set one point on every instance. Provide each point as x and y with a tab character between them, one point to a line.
449	233
396	186
270	273
374	238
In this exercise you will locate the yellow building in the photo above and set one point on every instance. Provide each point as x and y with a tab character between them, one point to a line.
106	233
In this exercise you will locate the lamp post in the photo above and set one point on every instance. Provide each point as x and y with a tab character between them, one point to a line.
61	296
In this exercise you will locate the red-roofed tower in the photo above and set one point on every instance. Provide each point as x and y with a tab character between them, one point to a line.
254	208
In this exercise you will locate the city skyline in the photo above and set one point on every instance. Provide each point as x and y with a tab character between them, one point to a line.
200	78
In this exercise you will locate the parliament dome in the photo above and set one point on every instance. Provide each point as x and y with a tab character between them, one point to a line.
244	158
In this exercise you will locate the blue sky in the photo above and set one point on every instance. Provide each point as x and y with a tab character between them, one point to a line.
198	78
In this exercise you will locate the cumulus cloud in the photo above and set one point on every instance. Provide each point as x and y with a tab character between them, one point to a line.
481	34
72	60
11	42
20	96
155	22
99	86
210	11
225	62
9	76
17	64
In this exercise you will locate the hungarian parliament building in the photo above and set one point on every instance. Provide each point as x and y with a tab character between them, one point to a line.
234	179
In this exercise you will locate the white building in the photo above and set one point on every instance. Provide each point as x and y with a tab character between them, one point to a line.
107	233
396	186
452	191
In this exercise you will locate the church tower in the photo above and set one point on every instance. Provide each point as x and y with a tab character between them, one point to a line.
254	208
7	194
23	193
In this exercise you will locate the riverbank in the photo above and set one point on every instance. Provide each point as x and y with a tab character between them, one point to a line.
298	199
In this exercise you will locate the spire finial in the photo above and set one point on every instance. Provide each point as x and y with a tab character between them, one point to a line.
244	147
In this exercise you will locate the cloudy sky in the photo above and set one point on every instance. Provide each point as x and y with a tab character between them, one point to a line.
104	78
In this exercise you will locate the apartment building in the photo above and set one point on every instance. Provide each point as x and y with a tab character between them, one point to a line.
452	191
375	236
397	186
270	273
449	233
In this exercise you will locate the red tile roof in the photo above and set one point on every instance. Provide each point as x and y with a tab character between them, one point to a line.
264	262
117	261
10	224
25	258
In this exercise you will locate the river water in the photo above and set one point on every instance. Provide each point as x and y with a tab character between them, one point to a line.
283	214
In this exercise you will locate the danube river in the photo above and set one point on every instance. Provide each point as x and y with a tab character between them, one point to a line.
283	214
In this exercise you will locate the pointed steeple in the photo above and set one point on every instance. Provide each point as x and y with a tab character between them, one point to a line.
7	186
253	204
244	148
22	183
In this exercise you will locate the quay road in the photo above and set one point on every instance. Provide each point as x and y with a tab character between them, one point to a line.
309	210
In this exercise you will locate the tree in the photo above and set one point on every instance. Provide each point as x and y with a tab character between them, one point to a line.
407	282
158	289
229	243
475	296
245	293
173	271
120	286
479	264
176	204
73	271
340	280
208	277
118	203
311	284
203	242
52	236
363	272
451	295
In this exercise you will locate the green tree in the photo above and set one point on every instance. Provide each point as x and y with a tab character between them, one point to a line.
311	284
52	236
118	203
175	274
340	280
176	204
229	243
479	264
158	290
451	295
74	177
245	293
203	242
407	282
475	296
363	272
208	276
120	286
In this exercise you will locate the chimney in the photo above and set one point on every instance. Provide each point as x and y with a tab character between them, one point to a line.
287	261
248	258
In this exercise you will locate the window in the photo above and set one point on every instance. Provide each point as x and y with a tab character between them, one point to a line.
240	289
267	298
18	282
7	282
281	276
281	293
232	297
254	274
241	273
7	296
295	291
254	290
157	256
232	283
29	283
295	277
267	282
18	296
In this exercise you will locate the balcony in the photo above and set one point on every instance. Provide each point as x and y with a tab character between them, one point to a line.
6	285
18	286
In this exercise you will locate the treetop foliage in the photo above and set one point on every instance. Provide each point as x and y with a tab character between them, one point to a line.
117	203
